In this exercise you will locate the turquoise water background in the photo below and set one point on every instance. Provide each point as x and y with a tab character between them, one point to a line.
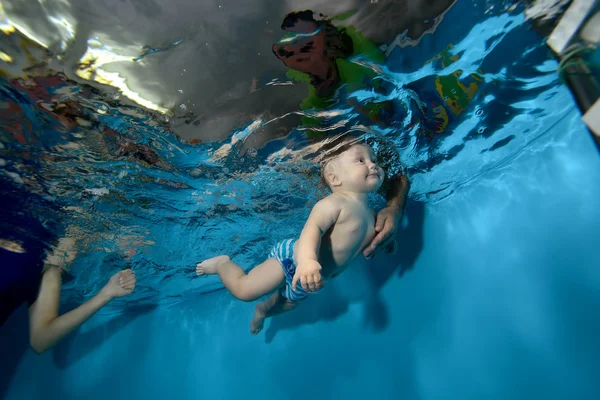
494	292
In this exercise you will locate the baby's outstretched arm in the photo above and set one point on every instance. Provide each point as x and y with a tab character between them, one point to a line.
323	215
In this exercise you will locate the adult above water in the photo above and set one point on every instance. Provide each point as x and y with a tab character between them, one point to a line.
313	47
25	278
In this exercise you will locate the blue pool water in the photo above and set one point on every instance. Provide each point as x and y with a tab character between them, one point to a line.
493	292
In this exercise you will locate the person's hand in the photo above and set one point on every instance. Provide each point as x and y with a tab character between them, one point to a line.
386	224
120	284
63	254
308	274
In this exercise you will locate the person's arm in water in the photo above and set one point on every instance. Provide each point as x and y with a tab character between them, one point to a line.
389	217
46	327
322	217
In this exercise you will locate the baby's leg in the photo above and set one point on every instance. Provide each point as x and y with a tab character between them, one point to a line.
261	280
276	304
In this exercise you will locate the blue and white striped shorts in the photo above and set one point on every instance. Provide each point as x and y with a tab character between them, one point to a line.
284	253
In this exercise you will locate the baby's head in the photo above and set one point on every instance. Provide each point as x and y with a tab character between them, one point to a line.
351	167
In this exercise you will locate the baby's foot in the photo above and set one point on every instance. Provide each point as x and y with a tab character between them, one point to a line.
211	266
258	321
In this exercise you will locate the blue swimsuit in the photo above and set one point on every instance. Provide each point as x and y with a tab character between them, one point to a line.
284	253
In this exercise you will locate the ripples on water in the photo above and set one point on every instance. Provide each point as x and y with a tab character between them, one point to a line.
159	186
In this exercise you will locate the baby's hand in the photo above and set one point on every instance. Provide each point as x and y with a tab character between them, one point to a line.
309	275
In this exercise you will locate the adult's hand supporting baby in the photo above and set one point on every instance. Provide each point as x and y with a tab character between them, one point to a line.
388	219
309	275
387	222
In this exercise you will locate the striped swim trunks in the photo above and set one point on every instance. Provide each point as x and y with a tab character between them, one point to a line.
284	253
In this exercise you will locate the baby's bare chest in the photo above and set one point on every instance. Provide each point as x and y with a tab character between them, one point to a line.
348	238
355	230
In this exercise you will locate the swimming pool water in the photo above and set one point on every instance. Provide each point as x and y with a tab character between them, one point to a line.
493	293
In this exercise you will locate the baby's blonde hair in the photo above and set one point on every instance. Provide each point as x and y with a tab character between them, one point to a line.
333	148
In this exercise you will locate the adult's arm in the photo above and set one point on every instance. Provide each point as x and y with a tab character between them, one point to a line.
46	327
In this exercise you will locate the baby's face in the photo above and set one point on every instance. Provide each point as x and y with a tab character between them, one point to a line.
358	170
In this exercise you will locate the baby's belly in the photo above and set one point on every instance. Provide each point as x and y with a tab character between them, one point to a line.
335	262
